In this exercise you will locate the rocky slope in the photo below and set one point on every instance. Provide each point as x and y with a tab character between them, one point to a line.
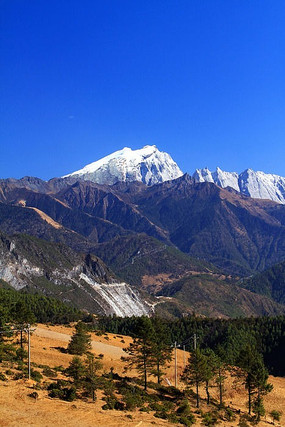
56	270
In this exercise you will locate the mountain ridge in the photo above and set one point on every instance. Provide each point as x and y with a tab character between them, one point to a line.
255	184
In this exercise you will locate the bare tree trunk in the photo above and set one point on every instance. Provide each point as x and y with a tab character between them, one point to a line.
145	375
158	373
197	394
207	392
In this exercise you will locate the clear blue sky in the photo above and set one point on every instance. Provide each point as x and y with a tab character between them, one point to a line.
202	79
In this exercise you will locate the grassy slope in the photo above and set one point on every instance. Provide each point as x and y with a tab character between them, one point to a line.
18	409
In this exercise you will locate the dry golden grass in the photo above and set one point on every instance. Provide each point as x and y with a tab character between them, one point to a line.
17	409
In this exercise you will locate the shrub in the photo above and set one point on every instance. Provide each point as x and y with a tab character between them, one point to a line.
2	377
209	419
275	415
48	372
21	354
145	409
132	401
161	414
59	368
57	390
184	408
18	376
113	403
187	420
34	395
36	375
243	421
229	414
172	418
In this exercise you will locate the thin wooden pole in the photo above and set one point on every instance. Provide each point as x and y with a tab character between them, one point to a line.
175	361
29	353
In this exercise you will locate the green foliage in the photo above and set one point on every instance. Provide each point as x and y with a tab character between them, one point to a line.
48	372
91	380
35	375
161	348
80	341
269	283
133	256
140	351
226	337
76	370
255	378
275	415
21	307
258	408
196	371
21	354
3	377
183	408
229	414
187	420
59	390
209	419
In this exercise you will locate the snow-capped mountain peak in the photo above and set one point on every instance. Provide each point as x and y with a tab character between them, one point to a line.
255	184
148	165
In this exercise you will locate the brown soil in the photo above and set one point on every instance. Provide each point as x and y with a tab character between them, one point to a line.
17	409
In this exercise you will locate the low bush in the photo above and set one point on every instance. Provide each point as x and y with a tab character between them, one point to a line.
36	375
187	420
209	419
184	408
48	372
275	415
59	390
3	377
229	414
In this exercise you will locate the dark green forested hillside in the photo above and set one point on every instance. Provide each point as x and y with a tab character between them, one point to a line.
138	258
17	306
227	337
270	283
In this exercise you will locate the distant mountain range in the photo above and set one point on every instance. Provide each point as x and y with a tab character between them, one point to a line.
257	185
151	166
182	244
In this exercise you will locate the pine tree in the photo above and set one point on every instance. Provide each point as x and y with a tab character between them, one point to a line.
140	351
210	370
92	378
220	371
80	341
255	376
23	315
195	372
76	370
161	348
